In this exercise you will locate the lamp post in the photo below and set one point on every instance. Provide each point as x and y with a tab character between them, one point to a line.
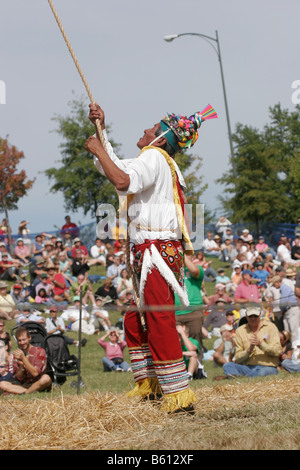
171	37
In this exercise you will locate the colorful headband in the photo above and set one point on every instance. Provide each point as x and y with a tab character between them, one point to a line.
184	130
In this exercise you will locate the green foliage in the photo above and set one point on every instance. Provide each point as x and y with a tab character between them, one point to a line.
283	136
190	166
263	180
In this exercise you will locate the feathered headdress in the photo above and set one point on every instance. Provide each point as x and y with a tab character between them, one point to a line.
185	129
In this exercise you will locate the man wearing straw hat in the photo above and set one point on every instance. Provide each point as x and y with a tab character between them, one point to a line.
152	184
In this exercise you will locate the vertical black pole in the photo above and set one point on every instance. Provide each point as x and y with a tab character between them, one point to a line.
225	98
79	345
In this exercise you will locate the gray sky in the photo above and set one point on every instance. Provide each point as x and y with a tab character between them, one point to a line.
137	77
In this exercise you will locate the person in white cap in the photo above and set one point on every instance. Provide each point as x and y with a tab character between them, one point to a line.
220	294
224	347
246	236
257	347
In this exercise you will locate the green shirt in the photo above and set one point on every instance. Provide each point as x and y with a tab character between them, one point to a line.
184	349
75	285
193	287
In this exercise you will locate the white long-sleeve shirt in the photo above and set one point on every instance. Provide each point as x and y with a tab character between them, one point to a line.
151	185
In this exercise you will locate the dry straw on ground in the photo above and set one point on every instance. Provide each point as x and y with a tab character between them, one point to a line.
106	421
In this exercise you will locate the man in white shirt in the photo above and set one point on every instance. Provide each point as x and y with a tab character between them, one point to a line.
210	246
99	251
284	254
153	185
246	236
114	270
72	316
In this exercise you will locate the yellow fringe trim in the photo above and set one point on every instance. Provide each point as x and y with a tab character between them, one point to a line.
145	387
178	400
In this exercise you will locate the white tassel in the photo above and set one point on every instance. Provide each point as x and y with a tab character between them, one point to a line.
153	259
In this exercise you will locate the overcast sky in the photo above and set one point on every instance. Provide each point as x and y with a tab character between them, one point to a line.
137	77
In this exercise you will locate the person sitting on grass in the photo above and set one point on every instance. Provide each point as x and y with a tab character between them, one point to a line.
108	290
28	315
100	316
83	284
258	347
293	364
222	278
224	347
30	363
260	274
6	360
41	297
190	350
114	358
7	304
56	326
72	316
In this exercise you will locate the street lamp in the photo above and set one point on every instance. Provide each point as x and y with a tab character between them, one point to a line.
171	37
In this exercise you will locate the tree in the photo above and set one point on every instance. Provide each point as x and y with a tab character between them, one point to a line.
77	177
194	181
13	183
283	136
190	166
262	180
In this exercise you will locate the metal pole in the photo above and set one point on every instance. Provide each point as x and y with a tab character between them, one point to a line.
225	97
79	344
171	37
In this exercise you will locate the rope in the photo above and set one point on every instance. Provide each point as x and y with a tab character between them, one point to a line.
100	133
98	126
265	304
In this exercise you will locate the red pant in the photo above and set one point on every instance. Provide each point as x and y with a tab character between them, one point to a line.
156	352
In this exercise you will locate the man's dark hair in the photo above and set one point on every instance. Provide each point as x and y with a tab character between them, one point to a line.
167	147
22	330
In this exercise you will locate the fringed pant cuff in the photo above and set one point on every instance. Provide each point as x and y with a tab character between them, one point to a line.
178	400
146	387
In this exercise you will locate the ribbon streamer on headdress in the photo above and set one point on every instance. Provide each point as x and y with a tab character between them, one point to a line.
100	133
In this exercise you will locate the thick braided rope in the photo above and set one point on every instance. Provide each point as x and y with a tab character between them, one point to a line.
78	68
98	127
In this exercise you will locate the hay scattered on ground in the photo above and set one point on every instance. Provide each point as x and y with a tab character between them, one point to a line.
105	421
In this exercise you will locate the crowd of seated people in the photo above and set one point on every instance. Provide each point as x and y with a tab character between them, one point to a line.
50	270
255	275
55	272
49	279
